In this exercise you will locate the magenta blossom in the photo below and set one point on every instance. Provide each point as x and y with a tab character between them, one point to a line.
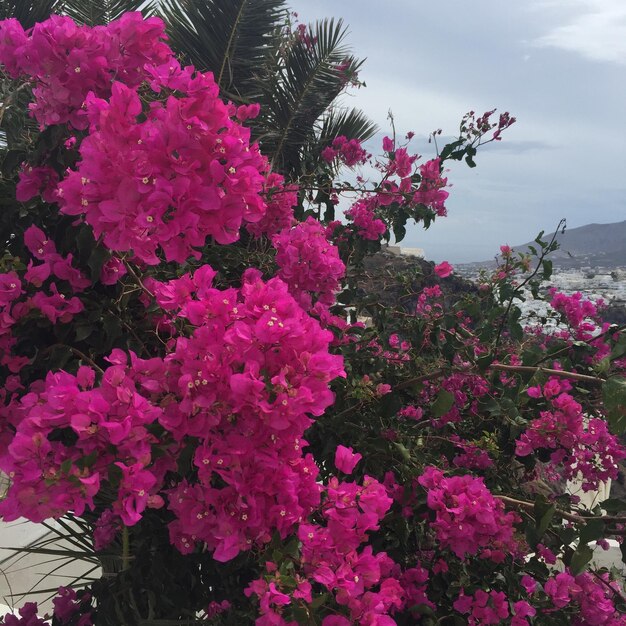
443	270
346	459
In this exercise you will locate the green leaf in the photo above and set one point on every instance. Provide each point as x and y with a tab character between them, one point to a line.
300	615
421	609
532	536
28	12
401	448
442	404
449	149
613	505
11	162
544	522
592	530
579	560
619	349
112	328
82	332
115	475
346	296
319	600
614	396
517	332
97	259
399	231
390	405
547	268
87	461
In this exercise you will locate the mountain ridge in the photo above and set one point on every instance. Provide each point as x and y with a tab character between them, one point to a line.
591	245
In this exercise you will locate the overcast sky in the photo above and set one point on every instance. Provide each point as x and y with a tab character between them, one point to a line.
559	66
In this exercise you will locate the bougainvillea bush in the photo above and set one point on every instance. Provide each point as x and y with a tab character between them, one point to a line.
186	384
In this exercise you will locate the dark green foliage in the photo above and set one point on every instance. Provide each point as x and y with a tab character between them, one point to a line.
28	12
255	57
94	12
231	38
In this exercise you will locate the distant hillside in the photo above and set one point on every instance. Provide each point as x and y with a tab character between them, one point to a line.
593	245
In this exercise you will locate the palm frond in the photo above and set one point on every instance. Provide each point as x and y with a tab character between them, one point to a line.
94	12
228	37
28	12
312	76
351	123
64	552
338	121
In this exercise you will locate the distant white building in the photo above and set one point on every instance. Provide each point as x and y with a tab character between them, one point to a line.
402	251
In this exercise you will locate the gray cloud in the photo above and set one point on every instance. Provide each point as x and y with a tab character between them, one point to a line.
598	32
541	60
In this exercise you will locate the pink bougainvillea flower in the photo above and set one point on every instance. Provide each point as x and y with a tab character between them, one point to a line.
443	270
346	459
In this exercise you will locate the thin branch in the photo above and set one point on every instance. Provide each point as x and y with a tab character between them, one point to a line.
593	380
424	377
616	592
75	352
544	252
125	548
571	517
132	272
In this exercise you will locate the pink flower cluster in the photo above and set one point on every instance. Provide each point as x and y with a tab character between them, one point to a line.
591	597
280	200
431	192
581	314
28	617
400	161
68	435
468	519
580	445
242	387
309	263
37	181
246	381
489	608
370	586
347	151
16	304
52	263
443	270
472	456
65	61
400	186
367	225
10	312
70	609
466	389
474	128
184	173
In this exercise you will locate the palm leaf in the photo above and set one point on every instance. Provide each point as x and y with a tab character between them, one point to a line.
311	77
94	12
27	12
351	123
65	546
231	38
